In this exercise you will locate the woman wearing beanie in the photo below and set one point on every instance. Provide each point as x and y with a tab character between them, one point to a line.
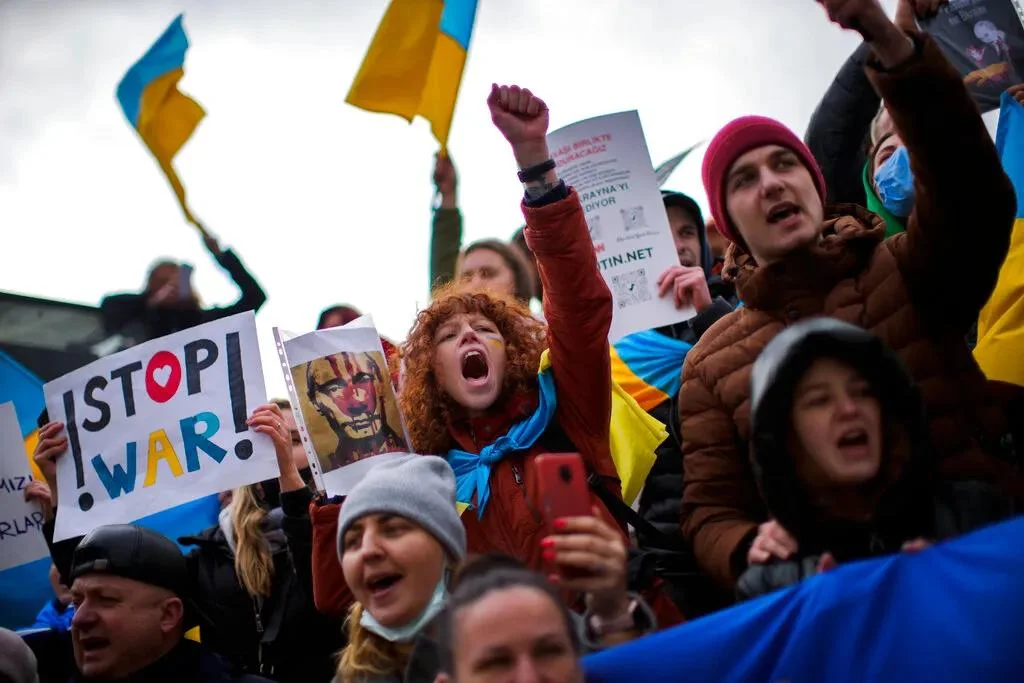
793	258
840	454
400	542
399	539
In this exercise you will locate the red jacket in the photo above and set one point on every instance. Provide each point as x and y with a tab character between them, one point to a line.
578	308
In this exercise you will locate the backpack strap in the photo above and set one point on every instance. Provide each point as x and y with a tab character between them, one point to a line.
627	515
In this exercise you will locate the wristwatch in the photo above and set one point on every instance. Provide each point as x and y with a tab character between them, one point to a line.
624	622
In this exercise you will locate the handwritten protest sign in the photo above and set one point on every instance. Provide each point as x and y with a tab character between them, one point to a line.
606	160
21	523
984	40
347	411
160	424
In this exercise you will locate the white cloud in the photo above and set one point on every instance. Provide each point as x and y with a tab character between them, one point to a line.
326	203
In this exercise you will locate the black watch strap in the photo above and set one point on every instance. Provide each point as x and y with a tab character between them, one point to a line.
536	172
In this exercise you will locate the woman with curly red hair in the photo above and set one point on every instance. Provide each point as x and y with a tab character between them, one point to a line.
471	390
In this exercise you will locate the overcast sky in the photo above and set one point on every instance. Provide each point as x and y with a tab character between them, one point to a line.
326	203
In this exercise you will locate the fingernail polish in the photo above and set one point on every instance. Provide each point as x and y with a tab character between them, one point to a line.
547	543
559	523
548	555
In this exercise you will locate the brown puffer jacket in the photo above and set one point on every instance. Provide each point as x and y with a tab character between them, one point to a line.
920	291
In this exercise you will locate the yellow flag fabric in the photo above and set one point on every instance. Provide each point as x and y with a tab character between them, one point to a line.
1000	347
999	350
633	437
164	117
414	64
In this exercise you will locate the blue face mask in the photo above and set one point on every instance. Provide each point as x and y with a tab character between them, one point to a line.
405	634
895	182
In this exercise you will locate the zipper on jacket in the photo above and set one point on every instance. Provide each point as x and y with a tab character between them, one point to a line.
259	633
526	496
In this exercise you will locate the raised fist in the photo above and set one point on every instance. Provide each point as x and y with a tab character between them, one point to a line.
909	11
521	116
863	16
445	177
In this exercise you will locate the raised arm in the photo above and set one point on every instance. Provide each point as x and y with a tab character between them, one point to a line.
838	127
577	303
446	233
959	231
252	296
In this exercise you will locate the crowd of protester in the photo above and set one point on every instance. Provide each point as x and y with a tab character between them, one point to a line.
827	409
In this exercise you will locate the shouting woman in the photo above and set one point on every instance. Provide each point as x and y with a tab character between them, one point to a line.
472	391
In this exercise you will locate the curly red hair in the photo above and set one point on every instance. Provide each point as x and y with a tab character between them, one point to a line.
426	407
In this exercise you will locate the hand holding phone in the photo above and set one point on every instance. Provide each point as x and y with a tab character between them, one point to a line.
561	484
583	551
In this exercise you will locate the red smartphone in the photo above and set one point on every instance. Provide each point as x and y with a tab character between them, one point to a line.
561	486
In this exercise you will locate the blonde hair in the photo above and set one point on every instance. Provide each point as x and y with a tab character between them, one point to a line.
367	655
254	565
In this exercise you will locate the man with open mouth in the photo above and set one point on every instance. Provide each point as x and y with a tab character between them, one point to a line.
131	590
793	257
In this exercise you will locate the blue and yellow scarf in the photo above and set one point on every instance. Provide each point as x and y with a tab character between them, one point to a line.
633	437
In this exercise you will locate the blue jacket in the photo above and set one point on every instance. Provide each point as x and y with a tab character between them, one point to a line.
55	616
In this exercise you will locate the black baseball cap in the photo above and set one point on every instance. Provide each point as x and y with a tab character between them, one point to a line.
140	554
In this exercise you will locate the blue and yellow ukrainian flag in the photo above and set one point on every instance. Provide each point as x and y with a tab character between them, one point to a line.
24	588
633	436
414	65
649	366
163	116
1000	347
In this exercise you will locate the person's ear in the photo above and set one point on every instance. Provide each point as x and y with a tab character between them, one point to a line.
172	613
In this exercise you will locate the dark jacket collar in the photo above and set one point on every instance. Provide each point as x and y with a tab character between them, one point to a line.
188	661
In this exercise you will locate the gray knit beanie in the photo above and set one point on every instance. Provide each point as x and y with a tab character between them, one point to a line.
420	488
17	662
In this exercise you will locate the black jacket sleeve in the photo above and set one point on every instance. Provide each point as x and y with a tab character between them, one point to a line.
708	317
838	127
61	552
760	579
964	506
252	295
298	530
119	310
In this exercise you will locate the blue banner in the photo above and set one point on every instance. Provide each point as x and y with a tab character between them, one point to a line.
954	612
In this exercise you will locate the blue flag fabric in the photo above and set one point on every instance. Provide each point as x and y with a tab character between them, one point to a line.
649	365
950	613
26	588
473	471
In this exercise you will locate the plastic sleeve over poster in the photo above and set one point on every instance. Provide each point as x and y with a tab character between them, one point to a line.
344	401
